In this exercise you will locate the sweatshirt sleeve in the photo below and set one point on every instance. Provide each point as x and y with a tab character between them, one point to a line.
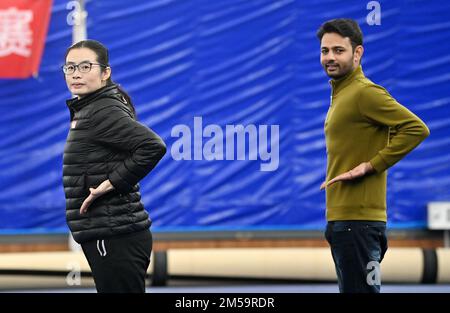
407	130
113	126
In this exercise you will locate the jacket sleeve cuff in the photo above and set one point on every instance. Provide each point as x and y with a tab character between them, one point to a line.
379	164
120	185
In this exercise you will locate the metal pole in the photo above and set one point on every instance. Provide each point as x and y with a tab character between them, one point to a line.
79	32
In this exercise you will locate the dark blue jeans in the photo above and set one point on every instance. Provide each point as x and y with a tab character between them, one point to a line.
357	247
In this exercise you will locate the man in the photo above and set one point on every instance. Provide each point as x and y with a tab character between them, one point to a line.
367	131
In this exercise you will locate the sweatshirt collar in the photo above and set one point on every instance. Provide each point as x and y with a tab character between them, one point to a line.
338	84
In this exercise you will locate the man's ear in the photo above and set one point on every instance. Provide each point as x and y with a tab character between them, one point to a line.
359	51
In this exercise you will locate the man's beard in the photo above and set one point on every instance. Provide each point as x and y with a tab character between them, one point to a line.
339	70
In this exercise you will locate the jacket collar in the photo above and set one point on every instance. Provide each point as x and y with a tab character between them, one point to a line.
76	104
339	84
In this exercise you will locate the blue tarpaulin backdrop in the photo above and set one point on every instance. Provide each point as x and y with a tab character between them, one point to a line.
230	62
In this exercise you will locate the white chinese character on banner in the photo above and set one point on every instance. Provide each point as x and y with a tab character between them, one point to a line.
15	33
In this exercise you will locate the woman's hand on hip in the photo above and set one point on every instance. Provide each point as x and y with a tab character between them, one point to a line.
103	188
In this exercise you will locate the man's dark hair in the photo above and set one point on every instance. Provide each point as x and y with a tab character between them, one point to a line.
345	27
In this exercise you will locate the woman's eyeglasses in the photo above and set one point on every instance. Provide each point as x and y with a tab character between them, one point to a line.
83	67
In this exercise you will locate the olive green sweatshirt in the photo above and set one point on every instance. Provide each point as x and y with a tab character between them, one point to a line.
365	123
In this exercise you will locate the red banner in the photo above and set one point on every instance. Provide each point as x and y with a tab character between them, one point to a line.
23	29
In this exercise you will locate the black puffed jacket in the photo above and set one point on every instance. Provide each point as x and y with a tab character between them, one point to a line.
106	142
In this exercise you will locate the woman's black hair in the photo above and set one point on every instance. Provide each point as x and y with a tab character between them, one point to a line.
103	58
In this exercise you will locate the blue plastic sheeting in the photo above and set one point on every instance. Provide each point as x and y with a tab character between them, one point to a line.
210	65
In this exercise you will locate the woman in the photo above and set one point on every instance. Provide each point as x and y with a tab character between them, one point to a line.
106	154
